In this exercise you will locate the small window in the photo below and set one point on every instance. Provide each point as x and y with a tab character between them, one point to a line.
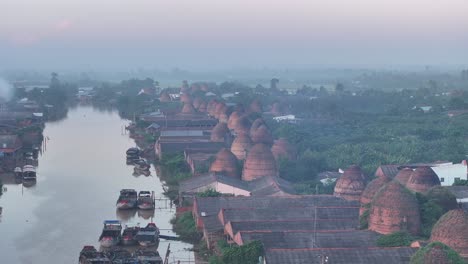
457	179
442	179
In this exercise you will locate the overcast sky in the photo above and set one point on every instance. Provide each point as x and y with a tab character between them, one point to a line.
231	33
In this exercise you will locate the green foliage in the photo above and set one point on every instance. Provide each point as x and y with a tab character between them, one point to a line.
314	187
245	254
364	218
209	193
460	183
430	212
397	239
174	162
368	130
422	256
184	225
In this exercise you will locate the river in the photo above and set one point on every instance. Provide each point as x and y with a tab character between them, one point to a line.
80	175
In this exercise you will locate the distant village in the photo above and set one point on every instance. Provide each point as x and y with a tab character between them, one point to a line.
234	193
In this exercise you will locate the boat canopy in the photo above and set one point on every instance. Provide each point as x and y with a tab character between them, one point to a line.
29	168
112	222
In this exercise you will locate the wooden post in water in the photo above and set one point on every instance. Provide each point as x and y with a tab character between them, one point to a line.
168	251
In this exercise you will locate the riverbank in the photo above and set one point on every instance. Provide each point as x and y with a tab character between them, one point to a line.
79	178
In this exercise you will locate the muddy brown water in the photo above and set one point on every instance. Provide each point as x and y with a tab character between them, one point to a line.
79	178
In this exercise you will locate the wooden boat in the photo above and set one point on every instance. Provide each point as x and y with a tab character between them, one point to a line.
148	257
127	199
141	164
133	154
89	255
145	200
121	256
148	236
138	172
111	233
128	235
29	173
133	151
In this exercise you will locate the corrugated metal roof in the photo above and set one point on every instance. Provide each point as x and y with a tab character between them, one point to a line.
311	239
399	255
182	133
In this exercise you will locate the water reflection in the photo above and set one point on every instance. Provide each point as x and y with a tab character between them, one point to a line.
126	214
146	214
78	179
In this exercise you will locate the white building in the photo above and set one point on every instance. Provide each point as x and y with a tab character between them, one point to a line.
286	119
449	172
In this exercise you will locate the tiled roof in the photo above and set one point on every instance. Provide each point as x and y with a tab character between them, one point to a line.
389	170
9	142
211	206
281	225
289	213
400	255
259	187
270	185
461	192
189	185
311	239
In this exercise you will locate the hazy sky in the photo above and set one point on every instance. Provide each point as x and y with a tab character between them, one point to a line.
225	33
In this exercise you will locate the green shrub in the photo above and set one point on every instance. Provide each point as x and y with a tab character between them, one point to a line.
397	239
209	193
364	218
422	256
184	225
245	254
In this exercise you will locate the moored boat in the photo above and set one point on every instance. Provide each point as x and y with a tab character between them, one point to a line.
121	256
148	257
133	151
127	199
111	233
133	154
128	235
148	236
29	173
145	200
89	255
141	164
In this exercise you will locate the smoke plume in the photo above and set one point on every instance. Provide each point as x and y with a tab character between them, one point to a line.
6	90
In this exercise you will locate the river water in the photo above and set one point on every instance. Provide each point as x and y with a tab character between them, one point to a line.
79	178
